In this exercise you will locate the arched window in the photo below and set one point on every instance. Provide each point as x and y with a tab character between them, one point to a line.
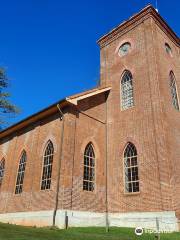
89	168
168	49
127	98
2	168
174	94
47	166
131	168
21	172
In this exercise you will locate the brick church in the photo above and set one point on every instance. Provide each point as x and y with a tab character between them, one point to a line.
110	155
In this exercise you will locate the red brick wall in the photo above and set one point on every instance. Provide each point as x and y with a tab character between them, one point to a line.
152	125
32	140
90	129
79	130
144	124
171	116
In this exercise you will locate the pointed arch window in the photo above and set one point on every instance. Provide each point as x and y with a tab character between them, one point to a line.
168	49
174	94
47	166
2	168
131	169
127	98
21	172
89	168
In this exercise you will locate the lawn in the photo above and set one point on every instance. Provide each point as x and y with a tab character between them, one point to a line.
13	232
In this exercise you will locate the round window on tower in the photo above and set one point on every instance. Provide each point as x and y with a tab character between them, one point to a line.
124	49
168	49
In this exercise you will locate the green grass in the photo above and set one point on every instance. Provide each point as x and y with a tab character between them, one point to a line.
14	232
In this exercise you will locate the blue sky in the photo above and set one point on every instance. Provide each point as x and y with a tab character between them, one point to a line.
49	46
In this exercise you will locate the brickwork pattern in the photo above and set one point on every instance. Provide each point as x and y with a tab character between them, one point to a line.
152	125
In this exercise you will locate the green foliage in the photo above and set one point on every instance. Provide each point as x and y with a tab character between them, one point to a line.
7	109
13	232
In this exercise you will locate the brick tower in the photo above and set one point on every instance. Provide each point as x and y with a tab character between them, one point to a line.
143	111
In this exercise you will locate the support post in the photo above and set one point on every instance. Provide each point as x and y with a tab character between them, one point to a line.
157	228
66	220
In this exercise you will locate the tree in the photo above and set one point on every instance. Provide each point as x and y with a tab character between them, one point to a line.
7	109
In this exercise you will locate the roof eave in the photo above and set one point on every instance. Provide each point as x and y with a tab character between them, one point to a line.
75	99
52	109
32	119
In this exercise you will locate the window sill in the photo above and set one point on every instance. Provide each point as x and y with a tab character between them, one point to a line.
18	195
46	190
89	192
130	108
132	193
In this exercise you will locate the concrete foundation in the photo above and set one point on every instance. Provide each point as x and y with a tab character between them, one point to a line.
167	220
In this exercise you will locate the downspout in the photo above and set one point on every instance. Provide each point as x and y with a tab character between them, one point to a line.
106	181
59	165
72	180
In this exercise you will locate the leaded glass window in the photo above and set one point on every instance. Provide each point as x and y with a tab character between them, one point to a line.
168	49
2	168
131	169
127	98
89	168
175	100
21	172
47	166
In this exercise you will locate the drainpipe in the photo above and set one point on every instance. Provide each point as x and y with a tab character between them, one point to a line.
59	164
106	181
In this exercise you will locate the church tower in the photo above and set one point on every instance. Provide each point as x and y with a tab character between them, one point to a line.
140	61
